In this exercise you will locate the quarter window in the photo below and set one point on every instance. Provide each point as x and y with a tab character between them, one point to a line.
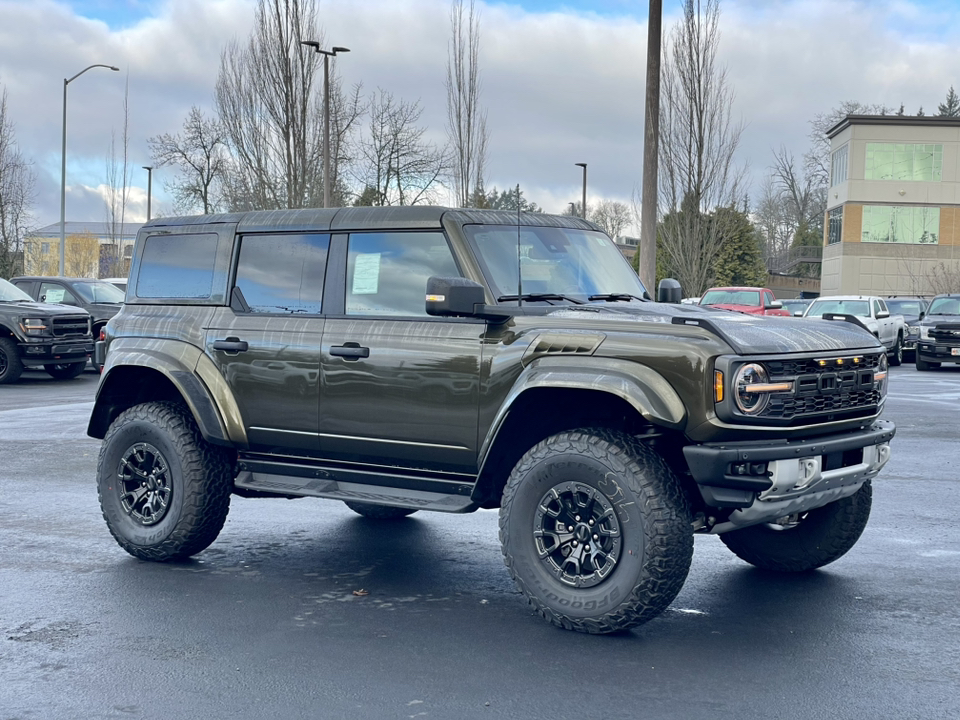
177	266
282	273
387	272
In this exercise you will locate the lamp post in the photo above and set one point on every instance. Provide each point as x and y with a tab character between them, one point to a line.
327	54
583	208
573	208
63	163
149	169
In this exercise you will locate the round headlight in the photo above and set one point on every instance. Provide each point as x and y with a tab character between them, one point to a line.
750	402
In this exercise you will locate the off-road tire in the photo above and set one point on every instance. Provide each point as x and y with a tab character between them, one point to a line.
65	371
896	357
822	536
199	476
650	511
924	365
11	366
379	512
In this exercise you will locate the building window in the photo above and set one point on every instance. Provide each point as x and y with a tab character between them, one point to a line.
905	162
838	165
834	225
897	224
45	248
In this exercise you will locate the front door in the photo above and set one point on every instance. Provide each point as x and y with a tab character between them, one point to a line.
267	342
399	388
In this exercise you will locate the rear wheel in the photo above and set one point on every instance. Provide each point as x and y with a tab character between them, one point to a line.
379	512
11	367
595	531
164	491
65	371
805	541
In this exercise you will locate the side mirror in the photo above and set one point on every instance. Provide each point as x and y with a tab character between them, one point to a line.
774	305
668	291
921	315
454	297
882	314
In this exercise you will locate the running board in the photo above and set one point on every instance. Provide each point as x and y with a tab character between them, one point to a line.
291	485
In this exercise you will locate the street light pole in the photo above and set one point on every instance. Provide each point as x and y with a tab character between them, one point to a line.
327	54
583	207
63	164
149	169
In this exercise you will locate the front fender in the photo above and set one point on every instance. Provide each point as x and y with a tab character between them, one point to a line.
643	388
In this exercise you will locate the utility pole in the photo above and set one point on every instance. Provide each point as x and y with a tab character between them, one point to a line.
651	137
583	207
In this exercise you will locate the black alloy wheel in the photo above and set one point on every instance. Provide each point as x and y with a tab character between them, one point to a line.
143	483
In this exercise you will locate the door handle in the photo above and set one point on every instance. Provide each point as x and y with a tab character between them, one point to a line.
231	344
351	351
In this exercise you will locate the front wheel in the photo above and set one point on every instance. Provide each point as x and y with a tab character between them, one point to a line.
164	491
896	356
924	365
595	531
11	367
806	541
379	512
65	371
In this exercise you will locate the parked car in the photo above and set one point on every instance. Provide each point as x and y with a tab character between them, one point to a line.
462	364
120	282
749	300
873	314
99	298
39	334
796	306
939	333
690	301
913	308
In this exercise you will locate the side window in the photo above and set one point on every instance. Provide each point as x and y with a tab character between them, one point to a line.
56	293
177	266
282	273
767	299
876	308
387	272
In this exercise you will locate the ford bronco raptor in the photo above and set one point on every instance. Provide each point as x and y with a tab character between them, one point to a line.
423	358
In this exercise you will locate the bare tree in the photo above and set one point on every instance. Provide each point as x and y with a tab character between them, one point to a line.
466	121
398	166
816	160
698	141
270	108
613	216
944	278
117	192
774	224
199	155
16	195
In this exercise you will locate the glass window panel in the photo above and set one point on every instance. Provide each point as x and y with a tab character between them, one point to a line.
387	272
177	266
889	223
903	161
282	273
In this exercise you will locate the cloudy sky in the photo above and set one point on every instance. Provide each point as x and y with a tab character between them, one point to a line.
563	80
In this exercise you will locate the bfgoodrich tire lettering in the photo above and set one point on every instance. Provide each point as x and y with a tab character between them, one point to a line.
613	479
159	444
817	539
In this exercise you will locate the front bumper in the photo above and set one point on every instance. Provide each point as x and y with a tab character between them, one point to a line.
937	352
55	351
783	474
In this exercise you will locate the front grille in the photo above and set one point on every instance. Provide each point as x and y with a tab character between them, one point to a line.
946	334
71	326
832	390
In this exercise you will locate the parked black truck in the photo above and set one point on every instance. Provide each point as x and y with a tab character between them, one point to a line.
421	358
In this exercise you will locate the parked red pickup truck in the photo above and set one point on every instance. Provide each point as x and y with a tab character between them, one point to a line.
750	300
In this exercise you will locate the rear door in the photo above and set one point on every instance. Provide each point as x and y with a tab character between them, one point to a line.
399	388
266	343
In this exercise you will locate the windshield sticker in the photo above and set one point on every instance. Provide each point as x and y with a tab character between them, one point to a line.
366	274
54	295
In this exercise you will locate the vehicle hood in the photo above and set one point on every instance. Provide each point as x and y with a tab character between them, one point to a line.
42	309
931	320
746	334
104	310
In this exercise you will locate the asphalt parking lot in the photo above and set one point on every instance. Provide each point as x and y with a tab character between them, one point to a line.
267	622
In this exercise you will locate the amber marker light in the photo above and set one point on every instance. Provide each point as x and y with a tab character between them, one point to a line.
718	385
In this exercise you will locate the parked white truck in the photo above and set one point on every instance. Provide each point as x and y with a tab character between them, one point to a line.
874	315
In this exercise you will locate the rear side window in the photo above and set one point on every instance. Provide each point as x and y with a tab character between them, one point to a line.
177	266
282	273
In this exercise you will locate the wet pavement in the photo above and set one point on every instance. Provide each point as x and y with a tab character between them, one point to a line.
266	622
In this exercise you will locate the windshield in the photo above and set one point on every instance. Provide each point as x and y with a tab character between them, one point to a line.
558	261
99	292
10	292
905	307
859	308
730	297
945	306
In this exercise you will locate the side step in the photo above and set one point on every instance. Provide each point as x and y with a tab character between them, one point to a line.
355	492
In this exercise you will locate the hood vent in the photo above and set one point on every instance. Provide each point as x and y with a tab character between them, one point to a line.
562	343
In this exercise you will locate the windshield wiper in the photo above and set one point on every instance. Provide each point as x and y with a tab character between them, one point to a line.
540	296
615	297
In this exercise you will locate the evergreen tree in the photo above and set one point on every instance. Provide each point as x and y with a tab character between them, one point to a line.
951	108
507	200
920	112
740	260
900	112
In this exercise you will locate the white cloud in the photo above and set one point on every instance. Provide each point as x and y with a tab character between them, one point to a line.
559	87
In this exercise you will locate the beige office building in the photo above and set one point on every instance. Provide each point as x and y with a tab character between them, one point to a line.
893	209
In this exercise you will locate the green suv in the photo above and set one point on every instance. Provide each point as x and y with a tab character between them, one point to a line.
423	358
